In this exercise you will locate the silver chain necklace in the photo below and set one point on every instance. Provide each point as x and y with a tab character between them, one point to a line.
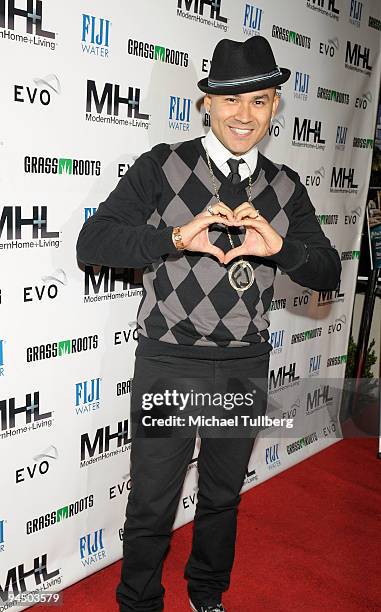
241	273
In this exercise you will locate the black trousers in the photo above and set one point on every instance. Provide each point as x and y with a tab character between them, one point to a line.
159	461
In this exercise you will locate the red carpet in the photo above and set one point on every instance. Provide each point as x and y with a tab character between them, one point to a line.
308	539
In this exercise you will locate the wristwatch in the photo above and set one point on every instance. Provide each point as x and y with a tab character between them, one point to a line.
177	237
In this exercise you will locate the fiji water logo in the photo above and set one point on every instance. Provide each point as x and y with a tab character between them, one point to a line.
179	113
89	212
301	85
95	35
355	13
272	456
276	340
341	137
2	537
252	20
1	357
87	396
91	548
314	366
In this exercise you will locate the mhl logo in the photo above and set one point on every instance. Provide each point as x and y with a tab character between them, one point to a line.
32	14
319	399
91	547
198	8
301	85
179	113
328	5
355	13
31	411
1	357
87	395
342	178
12	217
283	377
102	440
354	55
252	19
108	276
112	99
315	362
305	130
17	576
327	297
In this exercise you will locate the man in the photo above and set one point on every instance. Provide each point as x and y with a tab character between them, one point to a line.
209	219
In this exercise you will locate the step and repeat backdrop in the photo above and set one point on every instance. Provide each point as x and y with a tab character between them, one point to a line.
86	87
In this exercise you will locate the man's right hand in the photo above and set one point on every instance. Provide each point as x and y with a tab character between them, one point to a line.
195	234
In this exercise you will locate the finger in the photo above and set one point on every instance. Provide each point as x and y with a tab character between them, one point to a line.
248	211
245	212
252	222
213	250
237	251
206	221
222	209
240	207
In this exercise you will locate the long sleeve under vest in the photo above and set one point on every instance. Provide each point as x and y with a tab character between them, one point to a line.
188	305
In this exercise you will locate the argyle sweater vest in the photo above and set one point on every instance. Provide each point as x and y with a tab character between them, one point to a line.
189	307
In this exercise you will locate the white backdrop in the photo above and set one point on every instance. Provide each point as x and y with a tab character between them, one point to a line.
68	336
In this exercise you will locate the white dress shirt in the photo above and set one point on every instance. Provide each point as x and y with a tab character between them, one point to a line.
220	154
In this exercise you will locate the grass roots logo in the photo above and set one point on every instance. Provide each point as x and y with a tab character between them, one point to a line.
58	516
61	165
158	53
332	95
61	348
301	40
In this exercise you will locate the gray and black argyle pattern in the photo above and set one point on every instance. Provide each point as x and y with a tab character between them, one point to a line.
187	297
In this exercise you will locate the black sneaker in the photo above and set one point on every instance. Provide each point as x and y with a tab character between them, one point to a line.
218	607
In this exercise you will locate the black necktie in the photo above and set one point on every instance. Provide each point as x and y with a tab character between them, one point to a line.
233	164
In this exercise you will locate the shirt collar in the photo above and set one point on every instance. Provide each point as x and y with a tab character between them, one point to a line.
220	154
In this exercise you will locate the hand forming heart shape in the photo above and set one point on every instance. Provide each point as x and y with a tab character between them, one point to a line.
260	238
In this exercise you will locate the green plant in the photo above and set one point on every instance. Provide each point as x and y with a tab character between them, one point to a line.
370	359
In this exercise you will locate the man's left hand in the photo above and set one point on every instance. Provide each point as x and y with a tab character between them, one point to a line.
260	238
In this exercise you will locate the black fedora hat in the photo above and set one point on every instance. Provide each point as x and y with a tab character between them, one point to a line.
240	67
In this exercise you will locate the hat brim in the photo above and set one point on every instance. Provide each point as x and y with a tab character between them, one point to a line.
246	87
